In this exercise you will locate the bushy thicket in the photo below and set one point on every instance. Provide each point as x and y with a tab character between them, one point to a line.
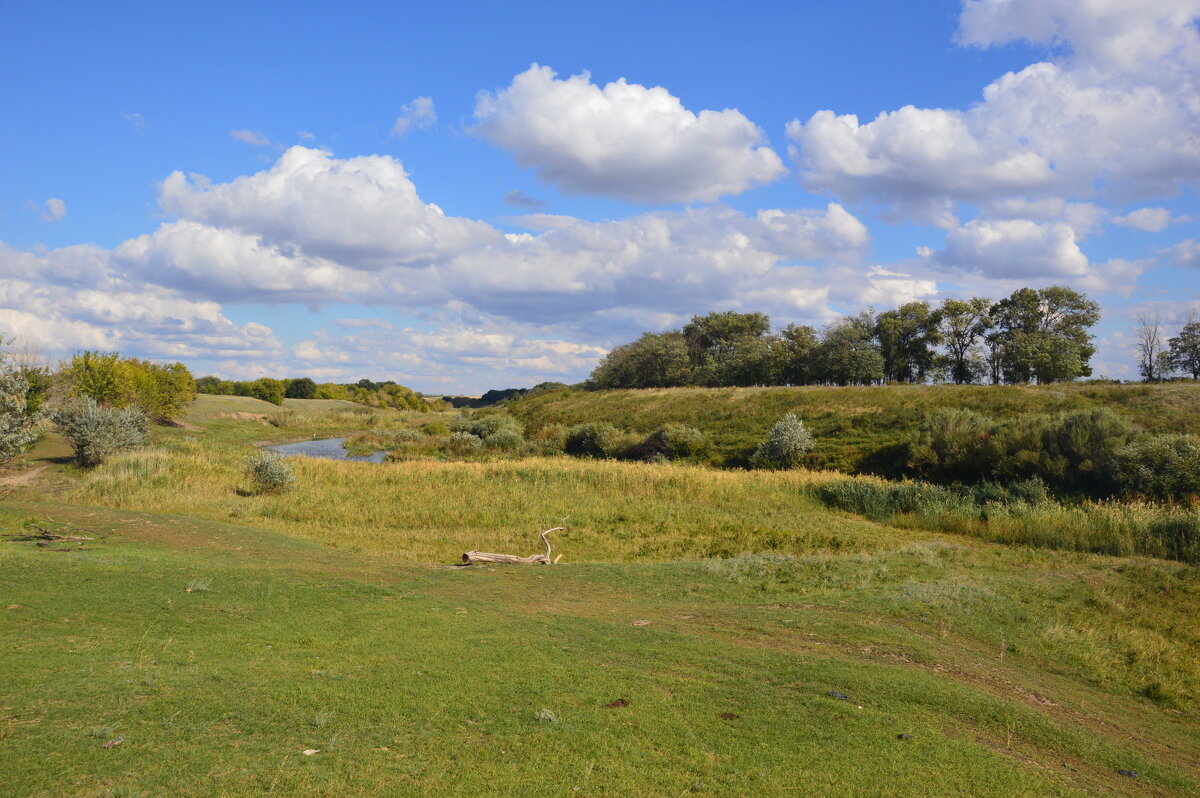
96	432
785	447
596	439
161	391
268	472
672	442
1160	467
1074	452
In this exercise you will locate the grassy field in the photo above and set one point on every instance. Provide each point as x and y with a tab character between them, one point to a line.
688	644
853	426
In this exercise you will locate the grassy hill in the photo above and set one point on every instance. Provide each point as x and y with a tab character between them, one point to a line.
856	426
698	637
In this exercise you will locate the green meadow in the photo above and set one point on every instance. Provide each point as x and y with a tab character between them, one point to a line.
707	632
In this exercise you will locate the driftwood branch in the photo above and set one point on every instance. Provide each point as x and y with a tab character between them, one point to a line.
44	534
480	557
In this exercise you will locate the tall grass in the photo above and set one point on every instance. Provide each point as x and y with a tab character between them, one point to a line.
1020	516
429	510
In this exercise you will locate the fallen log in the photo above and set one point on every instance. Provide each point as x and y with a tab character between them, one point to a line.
482	557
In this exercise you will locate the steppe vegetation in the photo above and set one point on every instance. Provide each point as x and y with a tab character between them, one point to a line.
711	630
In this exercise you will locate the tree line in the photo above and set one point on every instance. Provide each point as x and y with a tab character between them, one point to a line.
364	392
1037	335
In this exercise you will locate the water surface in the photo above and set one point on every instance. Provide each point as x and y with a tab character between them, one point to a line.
327	448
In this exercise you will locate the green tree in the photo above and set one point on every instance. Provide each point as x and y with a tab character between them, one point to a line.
656	360
264	388
847	353
1042	335
208	385
725	348
1184	349
962	325
303	388
98	375
907	337
794	355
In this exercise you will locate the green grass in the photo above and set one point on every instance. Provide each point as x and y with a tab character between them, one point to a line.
220	635
415	680
856	428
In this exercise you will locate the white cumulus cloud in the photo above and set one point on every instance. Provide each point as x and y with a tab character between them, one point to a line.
624	140
1116	115
1149	220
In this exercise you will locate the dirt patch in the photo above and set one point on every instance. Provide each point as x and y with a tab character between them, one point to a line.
13	481
179	423
261	418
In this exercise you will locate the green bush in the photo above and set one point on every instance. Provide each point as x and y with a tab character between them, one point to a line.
483	425
673	442
269	473
595	439
407	435
96	432
1160	467
504	439
1073	452
785	447
464	443
435	428
954	445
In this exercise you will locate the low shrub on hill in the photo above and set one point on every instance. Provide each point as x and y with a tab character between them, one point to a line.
786	446
96	432
269	473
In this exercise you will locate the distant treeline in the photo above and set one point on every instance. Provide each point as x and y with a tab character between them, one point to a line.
499	395
365	392
1035	335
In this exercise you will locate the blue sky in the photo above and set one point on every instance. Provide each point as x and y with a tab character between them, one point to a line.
457	218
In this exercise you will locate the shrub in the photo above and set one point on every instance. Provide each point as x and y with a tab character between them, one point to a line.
504	439
787	444
435	428
464	443
1074	451
18	422
269	473
96	432
407	435
283	419
954	445
484	426
1160	467
672	442
594	439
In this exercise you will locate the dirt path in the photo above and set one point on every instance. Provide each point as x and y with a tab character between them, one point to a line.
24	478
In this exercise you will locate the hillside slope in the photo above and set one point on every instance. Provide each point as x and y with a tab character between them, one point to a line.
854	426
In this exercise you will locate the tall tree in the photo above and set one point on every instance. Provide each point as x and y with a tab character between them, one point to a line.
1149	344
847	354
794	355
656	360
709	337
907	337
1184	349
1042	335
963	324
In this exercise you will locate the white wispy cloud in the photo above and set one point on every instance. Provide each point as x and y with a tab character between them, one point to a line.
251	137
417	114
